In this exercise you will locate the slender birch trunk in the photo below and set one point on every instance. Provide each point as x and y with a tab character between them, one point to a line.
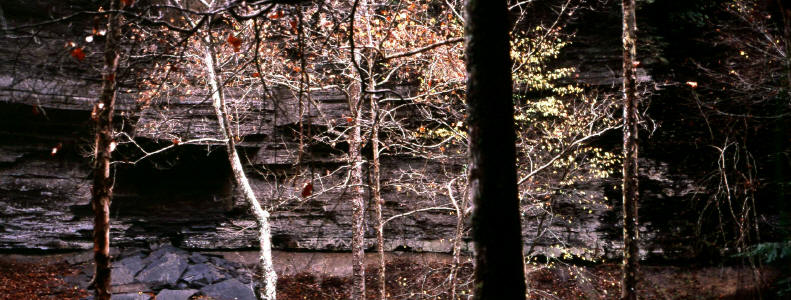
631	255
266	268
102	184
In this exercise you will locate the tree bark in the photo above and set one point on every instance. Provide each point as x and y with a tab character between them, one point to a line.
496	230
358	202
631	254
376	178
376	188
355	163
266	266
786	14
454	267
102	184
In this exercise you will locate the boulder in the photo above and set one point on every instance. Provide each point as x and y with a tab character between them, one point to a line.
198	258
162	250
224	264
132	251
130	296
182	285
202	274
230	289
129	288
175	294
124	271
164	271
245	276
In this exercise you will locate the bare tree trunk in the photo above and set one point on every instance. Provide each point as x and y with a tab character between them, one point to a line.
356	90
376	188
496	230
631	257
102	184
454	267
786	14
266	268
358	202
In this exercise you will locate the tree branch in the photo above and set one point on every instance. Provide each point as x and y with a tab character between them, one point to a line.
424	48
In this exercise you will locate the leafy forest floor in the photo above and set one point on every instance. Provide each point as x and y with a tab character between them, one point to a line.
43	279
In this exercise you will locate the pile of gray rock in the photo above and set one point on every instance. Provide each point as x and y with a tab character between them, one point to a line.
171	273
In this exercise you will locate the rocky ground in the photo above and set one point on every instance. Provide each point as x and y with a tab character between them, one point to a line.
169	273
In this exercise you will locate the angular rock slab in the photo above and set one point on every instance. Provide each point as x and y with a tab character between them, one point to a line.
130	296
124	271
129	288
198	258
163	250
79	280
230	289
164	271
202	274
175	294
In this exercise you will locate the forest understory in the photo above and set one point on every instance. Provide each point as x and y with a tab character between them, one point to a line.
353	147
42	277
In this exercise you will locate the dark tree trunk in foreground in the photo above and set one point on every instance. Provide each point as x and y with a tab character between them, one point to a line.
496	231
631	255
102	184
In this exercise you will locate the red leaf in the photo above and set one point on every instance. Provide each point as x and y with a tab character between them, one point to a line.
128	2
293	23
307	189
78	54
349	119
276	15
235	42
176	141
256	74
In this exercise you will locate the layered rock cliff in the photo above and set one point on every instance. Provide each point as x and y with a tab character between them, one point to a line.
185	194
